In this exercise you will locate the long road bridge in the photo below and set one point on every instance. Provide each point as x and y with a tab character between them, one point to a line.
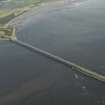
8	33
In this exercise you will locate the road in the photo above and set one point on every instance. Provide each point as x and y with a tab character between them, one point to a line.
75	33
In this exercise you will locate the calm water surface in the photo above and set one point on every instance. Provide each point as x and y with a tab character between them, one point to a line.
75	33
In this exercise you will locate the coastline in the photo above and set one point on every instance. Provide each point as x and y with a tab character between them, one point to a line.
15	13
24	15
7	18
19	14
49	6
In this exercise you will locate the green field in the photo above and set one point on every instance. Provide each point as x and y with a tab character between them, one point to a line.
4	13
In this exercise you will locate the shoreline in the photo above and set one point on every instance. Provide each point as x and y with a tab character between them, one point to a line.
4	20
50	5
17	14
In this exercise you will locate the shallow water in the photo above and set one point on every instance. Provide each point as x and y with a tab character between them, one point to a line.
75	33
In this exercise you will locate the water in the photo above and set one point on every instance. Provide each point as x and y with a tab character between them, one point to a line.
74	33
